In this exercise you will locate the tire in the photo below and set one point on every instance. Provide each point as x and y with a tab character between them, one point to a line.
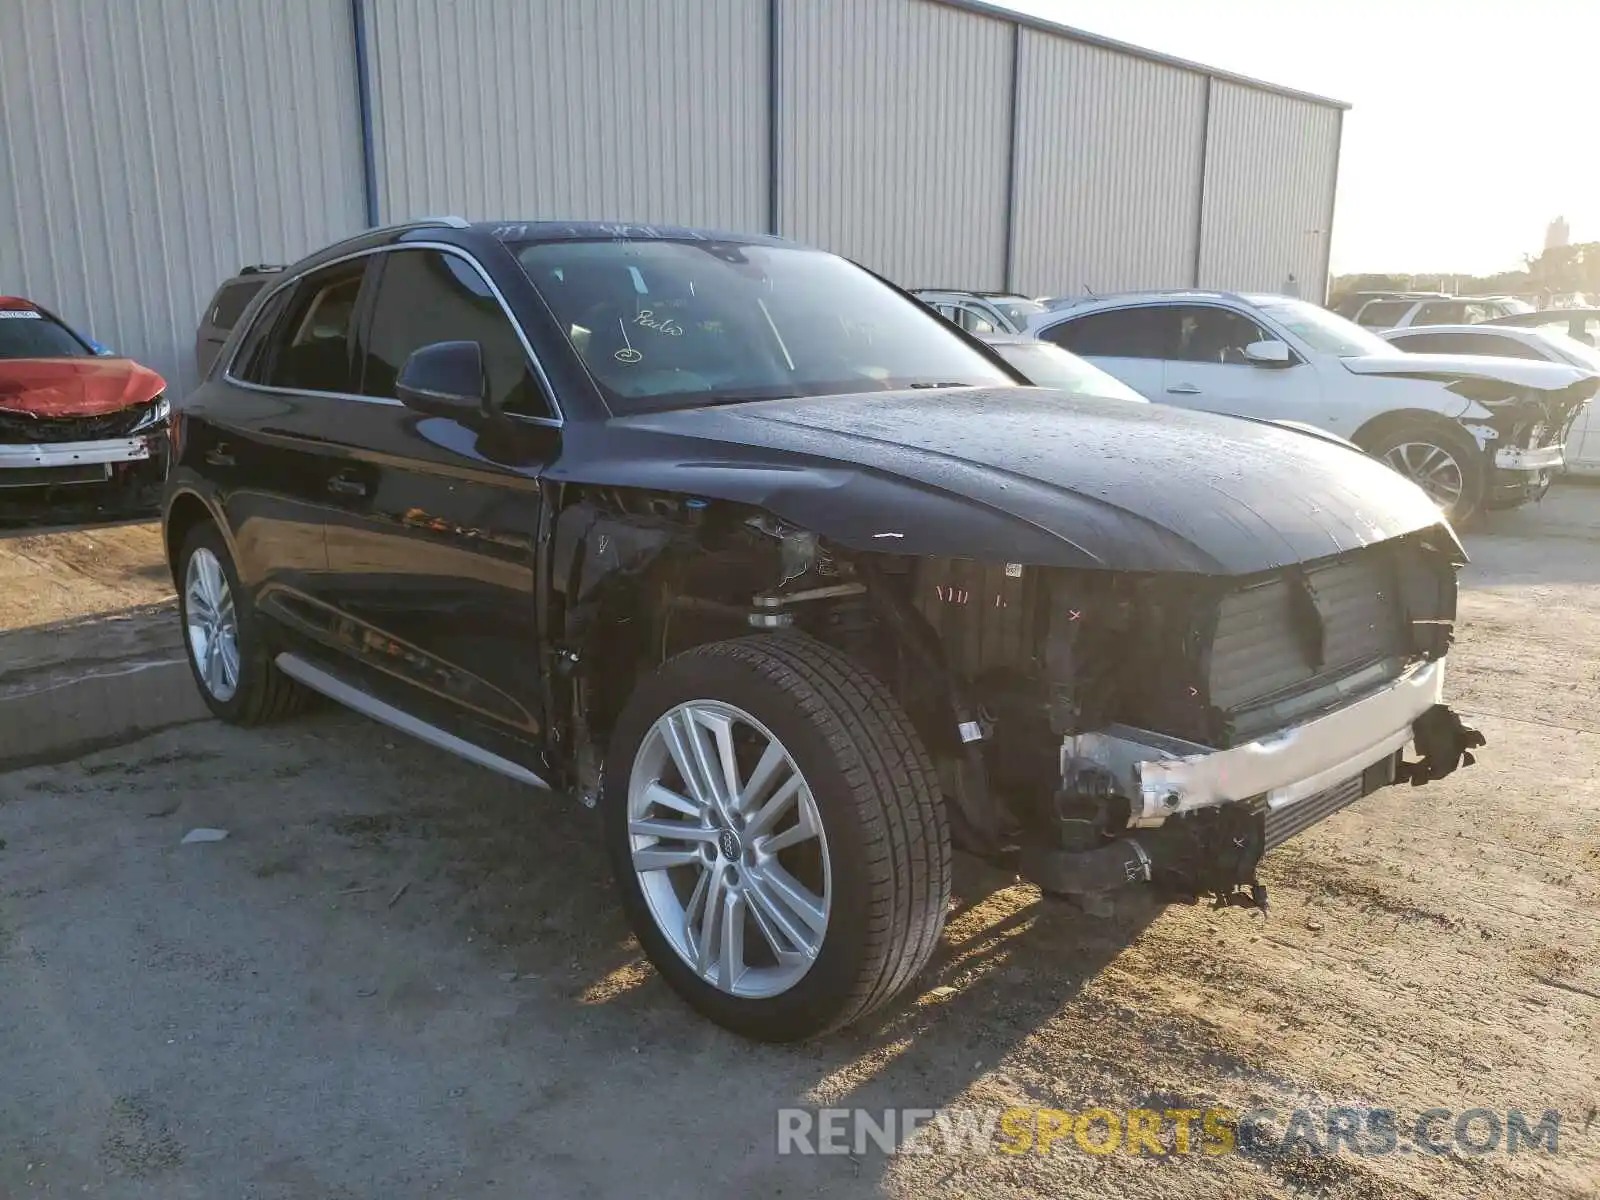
881	859
259	692
1420	445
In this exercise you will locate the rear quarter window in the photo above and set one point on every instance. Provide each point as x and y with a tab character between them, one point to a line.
231	301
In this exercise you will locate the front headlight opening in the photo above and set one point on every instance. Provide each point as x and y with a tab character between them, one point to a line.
156	414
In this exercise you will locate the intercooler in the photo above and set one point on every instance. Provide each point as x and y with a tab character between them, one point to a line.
1202	658
1276	640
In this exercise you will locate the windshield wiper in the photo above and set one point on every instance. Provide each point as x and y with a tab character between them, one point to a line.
943	383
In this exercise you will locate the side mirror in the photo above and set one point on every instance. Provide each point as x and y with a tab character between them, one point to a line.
444	379
1268	354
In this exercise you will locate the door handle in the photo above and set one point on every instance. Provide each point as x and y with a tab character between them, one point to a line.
1184	389
343	485
219	455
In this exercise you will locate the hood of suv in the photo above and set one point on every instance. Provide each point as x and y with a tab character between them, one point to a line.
1022	475
1524	373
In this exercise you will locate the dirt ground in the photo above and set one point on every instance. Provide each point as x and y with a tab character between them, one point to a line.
402	976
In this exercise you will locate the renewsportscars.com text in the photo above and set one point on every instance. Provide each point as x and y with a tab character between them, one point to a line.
1264	1132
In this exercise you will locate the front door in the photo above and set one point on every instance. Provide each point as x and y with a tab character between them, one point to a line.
431	550
1206	368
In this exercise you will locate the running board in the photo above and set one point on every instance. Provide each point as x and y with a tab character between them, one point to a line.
331	686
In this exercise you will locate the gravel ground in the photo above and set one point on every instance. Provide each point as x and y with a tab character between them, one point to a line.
401	976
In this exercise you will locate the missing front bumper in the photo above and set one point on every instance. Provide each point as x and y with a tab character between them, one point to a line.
1204	817
1166	777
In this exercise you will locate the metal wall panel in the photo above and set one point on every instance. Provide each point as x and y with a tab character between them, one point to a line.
1270	167
641	110
1109	155
894	136
149	148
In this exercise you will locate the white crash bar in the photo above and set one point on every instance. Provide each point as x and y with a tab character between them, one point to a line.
70	454
1515	458
1284	767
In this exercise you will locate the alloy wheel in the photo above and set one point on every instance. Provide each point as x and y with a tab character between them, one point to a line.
729	849
211	624
1431	467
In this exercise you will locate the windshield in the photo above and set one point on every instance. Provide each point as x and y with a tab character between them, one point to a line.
1324	331
663	324
1019	311
28	333
1576	351
1050	366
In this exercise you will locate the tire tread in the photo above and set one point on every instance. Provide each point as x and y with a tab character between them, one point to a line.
895	790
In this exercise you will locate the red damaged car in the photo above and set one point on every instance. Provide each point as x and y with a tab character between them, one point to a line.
71	413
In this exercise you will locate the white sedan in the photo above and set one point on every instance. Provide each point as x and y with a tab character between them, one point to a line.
1473	432
1511	341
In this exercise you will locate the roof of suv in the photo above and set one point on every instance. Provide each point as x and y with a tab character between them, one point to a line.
622	231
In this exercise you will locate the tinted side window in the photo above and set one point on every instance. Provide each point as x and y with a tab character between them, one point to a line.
250	360
1214	335
231	302
1427	343
1383	314
1491	343
427	296
974	321
1445	312
1120	333
308	349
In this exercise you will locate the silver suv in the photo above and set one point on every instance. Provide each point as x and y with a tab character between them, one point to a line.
1401	312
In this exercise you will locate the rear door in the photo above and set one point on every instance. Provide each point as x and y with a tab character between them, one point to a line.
1207	368
1128	343
261	431
431	546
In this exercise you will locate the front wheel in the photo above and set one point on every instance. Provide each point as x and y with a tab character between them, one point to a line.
1447	466
776	832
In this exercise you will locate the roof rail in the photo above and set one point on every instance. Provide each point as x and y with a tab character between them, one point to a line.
422	223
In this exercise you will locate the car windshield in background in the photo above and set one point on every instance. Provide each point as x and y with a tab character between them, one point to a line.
1019	312
663	324
1575	350
1324	331
28	333
1048	365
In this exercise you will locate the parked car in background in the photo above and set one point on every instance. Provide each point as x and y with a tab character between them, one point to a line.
1401	312
1047	365
72	413
1582	437
982	312
794	600
224	311
1473	432
1580	324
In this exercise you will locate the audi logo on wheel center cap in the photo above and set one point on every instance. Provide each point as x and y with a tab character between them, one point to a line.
728	843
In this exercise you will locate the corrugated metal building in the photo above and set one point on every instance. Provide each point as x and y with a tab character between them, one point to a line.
151	147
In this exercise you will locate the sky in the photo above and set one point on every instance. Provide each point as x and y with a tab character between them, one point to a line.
1472	125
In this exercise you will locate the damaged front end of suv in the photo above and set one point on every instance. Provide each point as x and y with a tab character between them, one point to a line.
1138	702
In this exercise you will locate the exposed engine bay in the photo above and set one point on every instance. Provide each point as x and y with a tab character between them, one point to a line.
1100	727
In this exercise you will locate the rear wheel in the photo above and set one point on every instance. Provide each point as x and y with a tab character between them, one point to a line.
775	829
1448	467
228	654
